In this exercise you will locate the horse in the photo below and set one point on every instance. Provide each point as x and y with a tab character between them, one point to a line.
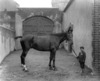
46	42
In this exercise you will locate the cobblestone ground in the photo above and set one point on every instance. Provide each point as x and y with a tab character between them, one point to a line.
37	63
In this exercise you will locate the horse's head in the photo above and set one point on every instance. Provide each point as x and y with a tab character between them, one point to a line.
69	32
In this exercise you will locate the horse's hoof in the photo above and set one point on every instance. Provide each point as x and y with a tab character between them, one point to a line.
50	68
54	69
25	70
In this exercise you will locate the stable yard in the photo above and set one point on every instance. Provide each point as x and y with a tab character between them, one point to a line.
67	68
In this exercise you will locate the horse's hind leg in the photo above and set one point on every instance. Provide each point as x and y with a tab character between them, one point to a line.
52	58
24	53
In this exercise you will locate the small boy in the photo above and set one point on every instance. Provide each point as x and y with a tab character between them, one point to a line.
81	58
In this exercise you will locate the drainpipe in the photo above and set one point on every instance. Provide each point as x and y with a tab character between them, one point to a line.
68	5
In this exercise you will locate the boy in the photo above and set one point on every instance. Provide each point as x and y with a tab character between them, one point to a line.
81	58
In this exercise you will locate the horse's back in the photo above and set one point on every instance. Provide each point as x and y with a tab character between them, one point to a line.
26	38
40	42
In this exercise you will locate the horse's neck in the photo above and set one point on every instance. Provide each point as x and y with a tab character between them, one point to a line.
61	37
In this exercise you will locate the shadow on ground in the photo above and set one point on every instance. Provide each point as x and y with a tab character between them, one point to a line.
37	62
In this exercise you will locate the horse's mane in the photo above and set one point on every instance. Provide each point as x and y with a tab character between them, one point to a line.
63	33
58	34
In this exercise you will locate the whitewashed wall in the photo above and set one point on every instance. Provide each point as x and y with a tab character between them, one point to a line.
19	31
80	14
7	42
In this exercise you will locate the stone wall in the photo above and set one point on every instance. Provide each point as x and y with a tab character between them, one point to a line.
96	36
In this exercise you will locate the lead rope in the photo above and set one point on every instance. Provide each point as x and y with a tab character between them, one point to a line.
74	52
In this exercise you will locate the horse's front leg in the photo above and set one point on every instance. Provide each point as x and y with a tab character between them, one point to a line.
51	58
54	55
24	53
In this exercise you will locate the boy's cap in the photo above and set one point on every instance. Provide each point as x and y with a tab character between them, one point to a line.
82	47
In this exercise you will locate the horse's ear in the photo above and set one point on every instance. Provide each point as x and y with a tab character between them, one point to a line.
70	27
70	24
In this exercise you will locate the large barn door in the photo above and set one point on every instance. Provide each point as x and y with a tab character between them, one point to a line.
37	25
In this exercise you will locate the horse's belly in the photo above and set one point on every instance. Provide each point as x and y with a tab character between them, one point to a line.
41	47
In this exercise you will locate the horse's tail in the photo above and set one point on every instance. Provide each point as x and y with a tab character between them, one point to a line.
18	37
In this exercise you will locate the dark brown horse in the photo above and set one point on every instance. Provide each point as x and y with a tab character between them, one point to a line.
48	42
